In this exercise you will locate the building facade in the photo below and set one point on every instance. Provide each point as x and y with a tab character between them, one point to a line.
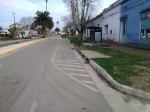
125	21
135	22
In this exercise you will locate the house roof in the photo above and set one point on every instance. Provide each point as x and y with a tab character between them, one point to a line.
118	2
2	31
93	27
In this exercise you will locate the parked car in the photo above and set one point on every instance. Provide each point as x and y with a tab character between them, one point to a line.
63	35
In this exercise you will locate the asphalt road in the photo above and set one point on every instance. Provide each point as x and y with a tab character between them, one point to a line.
48	77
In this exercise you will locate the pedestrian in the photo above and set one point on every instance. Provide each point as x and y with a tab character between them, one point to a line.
30	35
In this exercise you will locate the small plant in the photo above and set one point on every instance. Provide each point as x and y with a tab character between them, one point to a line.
75	40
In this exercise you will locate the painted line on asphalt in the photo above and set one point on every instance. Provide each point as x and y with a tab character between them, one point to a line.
77	55
85	85
33	107
55	51
16	50
82	75
66	60
88	82
70	65
78	81
2	56
73	69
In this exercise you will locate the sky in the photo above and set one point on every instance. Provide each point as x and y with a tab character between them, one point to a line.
25	8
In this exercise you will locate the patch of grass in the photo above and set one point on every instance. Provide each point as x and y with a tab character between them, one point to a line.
121	66
75	40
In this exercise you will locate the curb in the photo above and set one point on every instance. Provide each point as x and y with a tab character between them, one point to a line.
20	47
113	83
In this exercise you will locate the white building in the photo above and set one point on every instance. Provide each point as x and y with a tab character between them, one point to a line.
109	20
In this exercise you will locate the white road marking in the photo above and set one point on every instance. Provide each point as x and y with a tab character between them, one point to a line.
66	60
0	65
78	56
82	75
73	69
88	82
15	51
33	107
70	65
85	85
55	51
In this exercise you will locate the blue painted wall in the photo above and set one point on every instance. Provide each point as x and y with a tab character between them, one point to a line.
132	9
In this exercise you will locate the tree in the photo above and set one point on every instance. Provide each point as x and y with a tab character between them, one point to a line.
43	20
57	23
15	30
57	29
68	24
81	11
12	30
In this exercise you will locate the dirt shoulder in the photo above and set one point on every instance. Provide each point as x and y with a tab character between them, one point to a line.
134	51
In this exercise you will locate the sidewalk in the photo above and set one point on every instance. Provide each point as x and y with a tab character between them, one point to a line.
130	50
14	47
122	48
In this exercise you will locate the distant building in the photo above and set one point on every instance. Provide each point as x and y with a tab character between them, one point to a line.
126	22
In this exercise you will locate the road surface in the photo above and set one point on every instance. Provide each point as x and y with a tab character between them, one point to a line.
48	77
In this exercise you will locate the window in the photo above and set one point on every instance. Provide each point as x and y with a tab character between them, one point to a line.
106	29
124	26
145	25
110	31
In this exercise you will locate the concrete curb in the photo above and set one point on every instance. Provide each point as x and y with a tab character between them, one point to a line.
116	85
24	44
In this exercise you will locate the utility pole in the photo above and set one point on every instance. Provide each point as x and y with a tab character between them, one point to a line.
46	11
14	23
14	17
46	4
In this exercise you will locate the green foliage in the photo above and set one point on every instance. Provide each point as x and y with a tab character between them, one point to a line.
57	29
12	30
44	20
75	40
121	65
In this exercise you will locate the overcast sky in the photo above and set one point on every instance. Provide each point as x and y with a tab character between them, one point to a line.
24	8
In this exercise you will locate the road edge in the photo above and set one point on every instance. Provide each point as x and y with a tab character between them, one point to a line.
22	45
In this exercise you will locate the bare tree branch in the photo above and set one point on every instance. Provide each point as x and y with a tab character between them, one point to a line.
80	11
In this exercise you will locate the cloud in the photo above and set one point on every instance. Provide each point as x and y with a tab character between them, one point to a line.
19	4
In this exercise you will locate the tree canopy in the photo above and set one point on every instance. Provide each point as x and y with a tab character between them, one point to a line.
81	11
57	29
43	20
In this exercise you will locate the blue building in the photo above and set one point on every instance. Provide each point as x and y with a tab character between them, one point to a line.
135	23
126	22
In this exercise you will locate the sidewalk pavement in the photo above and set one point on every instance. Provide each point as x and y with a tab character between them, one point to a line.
10	42
92	54
125	49
14	47
3	43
